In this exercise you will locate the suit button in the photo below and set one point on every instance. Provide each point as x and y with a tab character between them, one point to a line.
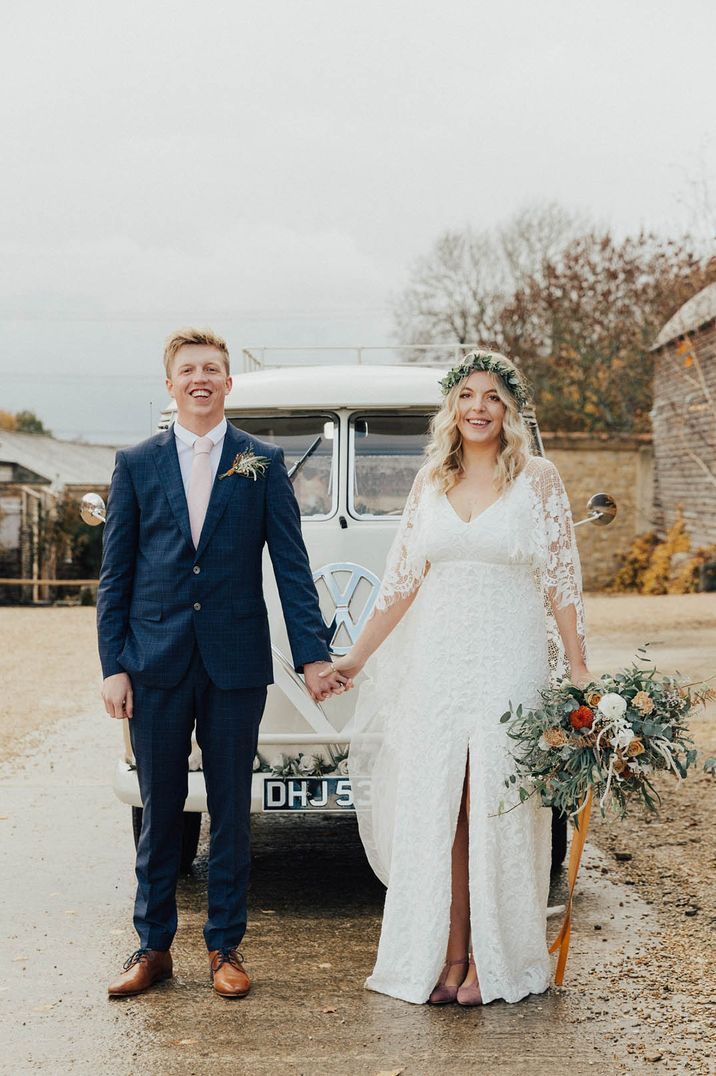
197	606
196	569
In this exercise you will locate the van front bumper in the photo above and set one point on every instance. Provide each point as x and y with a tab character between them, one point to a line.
126	788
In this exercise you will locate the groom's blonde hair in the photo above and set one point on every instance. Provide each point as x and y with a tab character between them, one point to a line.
193	336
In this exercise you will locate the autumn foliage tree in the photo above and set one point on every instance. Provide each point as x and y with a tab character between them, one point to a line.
582	327
22	422
576	307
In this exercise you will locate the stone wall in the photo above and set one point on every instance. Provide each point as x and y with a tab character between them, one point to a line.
605	463
684	428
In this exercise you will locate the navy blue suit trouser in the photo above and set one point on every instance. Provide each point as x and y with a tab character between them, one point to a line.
227	726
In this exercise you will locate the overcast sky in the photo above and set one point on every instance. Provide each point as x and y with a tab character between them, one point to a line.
272	169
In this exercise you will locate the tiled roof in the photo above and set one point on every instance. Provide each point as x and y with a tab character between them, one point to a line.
699	309
63	463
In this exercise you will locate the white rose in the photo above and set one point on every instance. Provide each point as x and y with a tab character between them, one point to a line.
623	735
307	764
612	706
342	767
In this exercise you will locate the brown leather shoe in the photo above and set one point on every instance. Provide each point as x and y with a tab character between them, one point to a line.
227	973
143	969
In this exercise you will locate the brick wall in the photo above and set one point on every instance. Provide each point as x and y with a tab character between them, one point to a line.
616	464
682	421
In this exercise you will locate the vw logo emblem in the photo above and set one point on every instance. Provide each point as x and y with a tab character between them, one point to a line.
353	591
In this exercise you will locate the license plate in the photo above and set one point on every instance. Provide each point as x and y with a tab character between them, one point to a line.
308	794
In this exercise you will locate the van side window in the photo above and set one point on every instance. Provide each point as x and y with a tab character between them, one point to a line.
386	454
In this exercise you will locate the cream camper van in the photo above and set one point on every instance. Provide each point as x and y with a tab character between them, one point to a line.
353	434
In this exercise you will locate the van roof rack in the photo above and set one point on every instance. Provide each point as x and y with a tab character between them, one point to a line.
438	355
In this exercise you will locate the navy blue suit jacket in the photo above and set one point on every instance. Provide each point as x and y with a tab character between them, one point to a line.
158	596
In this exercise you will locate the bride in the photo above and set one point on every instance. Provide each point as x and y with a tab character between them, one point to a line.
480	606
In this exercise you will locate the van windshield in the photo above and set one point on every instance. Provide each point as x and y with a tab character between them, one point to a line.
386	454
314	481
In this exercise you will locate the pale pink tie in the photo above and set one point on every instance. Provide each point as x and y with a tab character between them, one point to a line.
200	483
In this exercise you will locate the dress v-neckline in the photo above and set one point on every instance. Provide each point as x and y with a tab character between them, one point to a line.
469	522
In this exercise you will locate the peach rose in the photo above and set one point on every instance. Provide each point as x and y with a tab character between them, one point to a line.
555	737
643	702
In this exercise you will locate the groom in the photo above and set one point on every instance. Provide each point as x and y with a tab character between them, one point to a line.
184	642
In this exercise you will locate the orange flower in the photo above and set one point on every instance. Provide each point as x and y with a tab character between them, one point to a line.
593	698
643	702
581	718
636	747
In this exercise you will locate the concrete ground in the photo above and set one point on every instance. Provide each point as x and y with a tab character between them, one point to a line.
640	992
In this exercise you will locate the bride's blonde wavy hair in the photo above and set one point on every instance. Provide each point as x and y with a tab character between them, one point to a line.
444	454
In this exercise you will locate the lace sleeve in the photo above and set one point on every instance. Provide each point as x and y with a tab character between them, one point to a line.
560	568
406	564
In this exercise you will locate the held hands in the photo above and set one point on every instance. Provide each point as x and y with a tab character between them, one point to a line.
323	684
347	667
117	696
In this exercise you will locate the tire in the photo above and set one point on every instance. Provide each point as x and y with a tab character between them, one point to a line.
189	838
559	839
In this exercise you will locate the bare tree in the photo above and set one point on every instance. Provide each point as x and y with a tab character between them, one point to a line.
457	292
454	293
697	199
536	235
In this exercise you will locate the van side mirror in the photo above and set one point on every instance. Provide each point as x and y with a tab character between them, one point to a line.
602	509
92	509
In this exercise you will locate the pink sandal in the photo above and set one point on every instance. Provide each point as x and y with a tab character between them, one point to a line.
469	995
443	994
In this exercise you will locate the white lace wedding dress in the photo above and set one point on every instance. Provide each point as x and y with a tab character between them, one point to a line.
479	635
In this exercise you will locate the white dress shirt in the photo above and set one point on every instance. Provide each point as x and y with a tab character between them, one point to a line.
185	449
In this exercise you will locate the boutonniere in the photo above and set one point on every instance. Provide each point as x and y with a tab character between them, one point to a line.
248	465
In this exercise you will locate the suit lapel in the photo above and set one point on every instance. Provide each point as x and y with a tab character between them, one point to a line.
222	489
167	461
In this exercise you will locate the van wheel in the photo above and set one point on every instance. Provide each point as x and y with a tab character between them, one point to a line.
559	839
189	837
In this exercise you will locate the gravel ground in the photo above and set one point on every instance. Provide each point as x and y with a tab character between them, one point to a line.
49	669
667	993
655	1001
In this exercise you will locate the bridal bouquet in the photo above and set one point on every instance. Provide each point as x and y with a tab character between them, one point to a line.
606	740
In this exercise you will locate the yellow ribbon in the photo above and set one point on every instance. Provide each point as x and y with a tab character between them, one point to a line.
579	836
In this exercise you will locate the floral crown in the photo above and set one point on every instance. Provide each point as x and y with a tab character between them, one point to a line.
484	360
